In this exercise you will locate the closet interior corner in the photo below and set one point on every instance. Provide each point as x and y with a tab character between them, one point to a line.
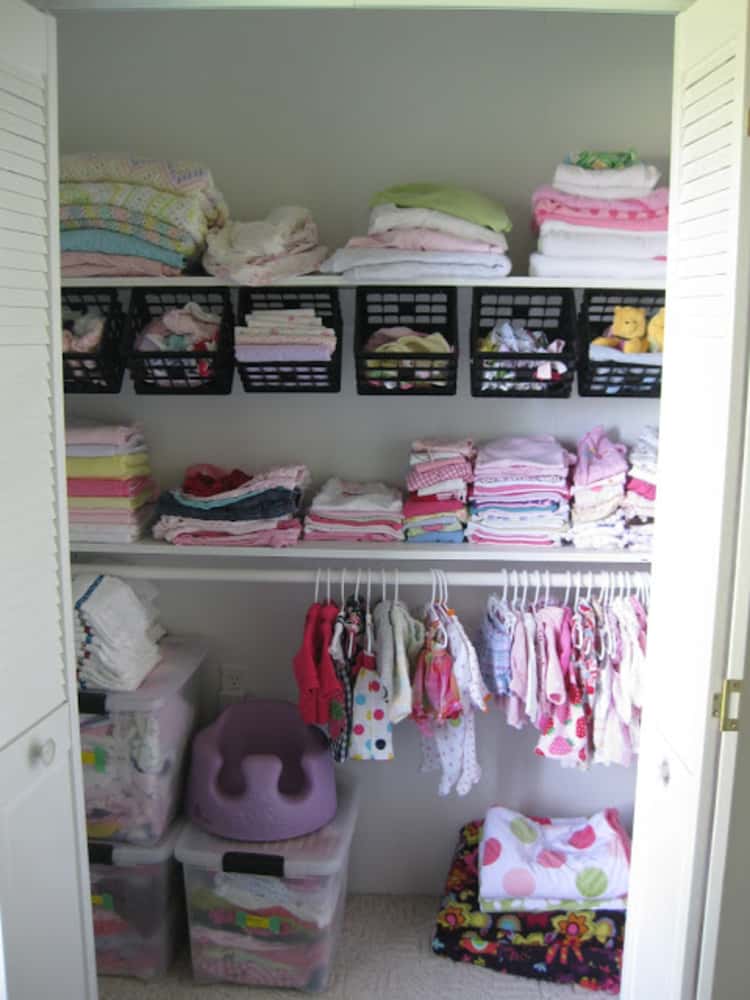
520	681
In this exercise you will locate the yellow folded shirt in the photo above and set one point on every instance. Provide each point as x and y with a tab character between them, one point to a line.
110	503
108	467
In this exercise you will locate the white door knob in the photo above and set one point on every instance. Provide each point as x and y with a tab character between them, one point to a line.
44	752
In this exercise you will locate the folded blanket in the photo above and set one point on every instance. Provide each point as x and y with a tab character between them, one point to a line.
384	218
182	245
542	266
648	214
77	264
463	204
589	242
349	257
127	503
114	466
426	239
186	212
126	437
635	181
75	217
414	271
266	271
182	177
102	241
599	353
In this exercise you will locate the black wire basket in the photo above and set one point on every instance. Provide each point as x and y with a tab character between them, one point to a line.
100	371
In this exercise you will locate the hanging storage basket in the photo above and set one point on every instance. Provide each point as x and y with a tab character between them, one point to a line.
615	377
292	376
181	373
499	375
423	309
102	370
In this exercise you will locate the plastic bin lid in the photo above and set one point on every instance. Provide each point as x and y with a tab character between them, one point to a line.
321	853
105	852
180	659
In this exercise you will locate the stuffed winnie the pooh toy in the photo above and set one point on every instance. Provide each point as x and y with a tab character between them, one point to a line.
656	332
628	331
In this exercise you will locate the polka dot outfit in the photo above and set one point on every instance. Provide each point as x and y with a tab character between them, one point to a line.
371	729
546	863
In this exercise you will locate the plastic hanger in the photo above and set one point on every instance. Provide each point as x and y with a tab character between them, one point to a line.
383	582
395	585
343	587
568	581
546	586
328	585
318	574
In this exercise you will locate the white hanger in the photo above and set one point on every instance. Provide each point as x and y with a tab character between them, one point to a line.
318	573
525	588
356	585
395	585
444	577
369	589
328	585
343	586
505	585
434	585
513	576
568	581
546	586
383	581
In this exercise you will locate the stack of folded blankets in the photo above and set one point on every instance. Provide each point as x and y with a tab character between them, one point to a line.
279	335
603	217
438	481
427	231
283	245
640	498
521	493
117	630
217	507
539	898
355	512
599	492
120	215
110	489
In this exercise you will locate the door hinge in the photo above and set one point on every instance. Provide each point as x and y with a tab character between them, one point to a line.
723	704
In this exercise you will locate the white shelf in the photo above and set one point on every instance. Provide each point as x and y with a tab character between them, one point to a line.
331	280
152	551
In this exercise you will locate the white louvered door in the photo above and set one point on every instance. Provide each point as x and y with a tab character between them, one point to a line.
45	923
703	427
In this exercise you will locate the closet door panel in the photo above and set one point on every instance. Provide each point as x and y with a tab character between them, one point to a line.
42	910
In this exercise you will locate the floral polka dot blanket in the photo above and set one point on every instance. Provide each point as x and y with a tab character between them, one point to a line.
581	946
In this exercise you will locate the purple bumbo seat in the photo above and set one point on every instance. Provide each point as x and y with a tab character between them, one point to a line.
259	773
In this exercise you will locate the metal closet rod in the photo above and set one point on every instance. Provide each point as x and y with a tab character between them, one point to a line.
591	578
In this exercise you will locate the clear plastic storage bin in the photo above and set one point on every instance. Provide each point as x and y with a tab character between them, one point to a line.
268	914
134	747
137	905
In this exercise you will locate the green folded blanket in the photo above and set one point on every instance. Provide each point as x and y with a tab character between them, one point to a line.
454	201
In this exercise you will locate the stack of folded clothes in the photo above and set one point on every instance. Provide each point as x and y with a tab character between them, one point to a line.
603	217
406	374
599	492
355	512
539	898
438	479
82	332
120	215
284	335
117	630
188	328
640	499
283	245
427	231
110	488
521	493
216	507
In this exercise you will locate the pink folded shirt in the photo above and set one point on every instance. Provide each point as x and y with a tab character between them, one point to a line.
119	435
420	507
542	453
599	458
432	473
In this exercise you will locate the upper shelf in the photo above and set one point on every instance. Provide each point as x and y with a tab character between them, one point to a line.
589	6
331	280
152	551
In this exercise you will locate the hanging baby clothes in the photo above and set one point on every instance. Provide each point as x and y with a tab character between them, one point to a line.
494	645
344	650
371	737
320	692
408	639
562	724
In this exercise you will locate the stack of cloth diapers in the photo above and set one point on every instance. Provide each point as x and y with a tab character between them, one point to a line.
120	215
438	481
539	898
521	493
283	245
279	335
640	498
110	489
427	231
217	507
599	492
117	631
355	512
603	217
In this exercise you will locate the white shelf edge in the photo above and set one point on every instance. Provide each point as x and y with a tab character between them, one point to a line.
154	551
328	281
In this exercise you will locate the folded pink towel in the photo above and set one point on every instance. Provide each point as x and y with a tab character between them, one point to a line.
648	214
80	264
109	487
119	435
419	239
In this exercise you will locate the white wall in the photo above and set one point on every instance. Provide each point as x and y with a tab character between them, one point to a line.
323	109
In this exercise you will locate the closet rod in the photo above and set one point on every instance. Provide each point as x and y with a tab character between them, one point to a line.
588	578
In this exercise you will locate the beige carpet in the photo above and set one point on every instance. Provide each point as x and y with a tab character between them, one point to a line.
384	955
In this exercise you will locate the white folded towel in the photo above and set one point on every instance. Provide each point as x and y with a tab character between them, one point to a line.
630	182
590	242
385	217
349	257
543	266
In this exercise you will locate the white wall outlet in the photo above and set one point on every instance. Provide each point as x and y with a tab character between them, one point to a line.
233	684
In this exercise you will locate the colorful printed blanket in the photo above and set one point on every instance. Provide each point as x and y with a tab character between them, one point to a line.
583	947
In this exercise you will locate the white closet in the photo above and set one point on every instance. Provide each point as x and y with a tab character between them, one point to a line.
322	109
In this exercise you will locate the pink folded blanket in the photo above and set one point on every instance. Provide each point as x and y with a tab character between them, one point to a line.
85	264
109	487
118	435
419	239
648	214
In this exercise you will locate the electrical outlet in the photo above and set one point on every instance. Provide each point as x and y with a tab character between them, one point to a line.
233	681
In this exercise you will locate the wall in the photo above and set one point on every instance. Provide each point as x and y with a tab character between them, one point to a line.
322	109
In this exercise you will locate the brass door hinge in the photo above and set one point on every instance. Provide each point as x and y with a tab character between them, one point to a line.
731	691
